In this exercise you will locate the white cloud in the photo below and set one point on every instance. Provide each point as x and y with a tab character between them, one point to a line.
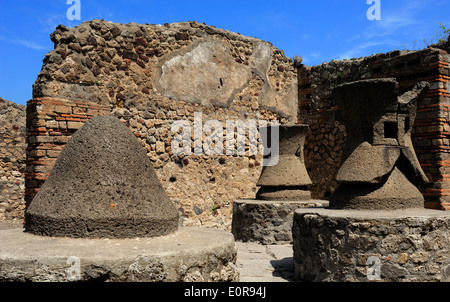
305	37
50	22
311	58
393	21
357	50
28	44
402	20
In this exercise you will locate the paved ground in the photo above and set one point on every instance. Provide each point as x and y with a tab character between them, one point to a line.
264	263
256	262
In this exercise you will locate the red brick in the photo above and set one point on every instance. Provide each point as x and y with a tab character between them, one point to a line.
63	109
61	139
79	110
40	176
92	112
74	125
37	153
53	153
44	139
55	133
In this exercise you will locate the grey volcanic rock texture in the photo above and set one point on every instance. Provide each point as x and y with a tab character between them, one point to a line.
288	178
102	185
268	222
409	245
380	169
187	255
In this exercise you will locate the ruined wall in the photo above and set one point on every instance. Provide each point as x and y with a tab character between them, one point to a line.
12	160
327	136
150	76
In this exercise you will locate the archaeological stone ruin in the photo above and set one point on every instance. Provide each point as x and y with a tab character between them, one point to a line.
377	211
379	161
360	188
283	187
92	193
93	190
288	178
12	161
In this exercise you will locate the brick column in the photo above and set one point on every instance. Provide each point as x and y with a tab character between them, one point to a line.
434	132
50	124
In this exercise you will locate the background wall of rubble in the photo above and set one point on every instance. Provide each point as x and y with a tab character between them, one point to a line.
150	76
12	160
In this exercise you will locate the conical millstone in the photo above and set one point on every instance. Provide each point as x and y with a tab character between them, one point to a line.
102	185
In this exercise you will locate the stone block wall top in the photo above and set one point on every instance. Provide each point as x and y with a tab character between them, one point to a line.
407	246
111	63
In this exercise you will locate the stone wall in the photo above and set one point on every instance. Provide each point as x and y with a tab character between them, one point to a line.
327	135
150	76
12	160
363	246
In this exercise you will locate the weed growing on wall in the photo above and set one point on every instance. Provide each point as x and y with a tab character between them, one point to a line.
443	33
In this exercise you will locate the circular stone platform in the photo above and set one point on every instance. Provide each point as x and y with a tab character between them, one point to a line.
267	221
368	245
189	254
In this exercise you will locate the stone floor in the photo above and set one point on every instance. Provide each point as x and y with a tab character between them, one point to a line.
264	263
256	262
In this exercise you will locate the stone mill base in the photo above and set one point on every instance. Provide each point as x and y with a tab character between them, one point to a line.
267	222
190	254
363	246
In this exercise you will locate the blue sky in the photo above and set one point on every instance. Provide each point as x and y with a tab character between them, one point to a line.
316	30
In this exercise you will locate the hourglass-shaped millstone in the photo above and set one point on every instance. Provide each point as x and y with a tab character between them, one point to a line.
379	168
288	178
